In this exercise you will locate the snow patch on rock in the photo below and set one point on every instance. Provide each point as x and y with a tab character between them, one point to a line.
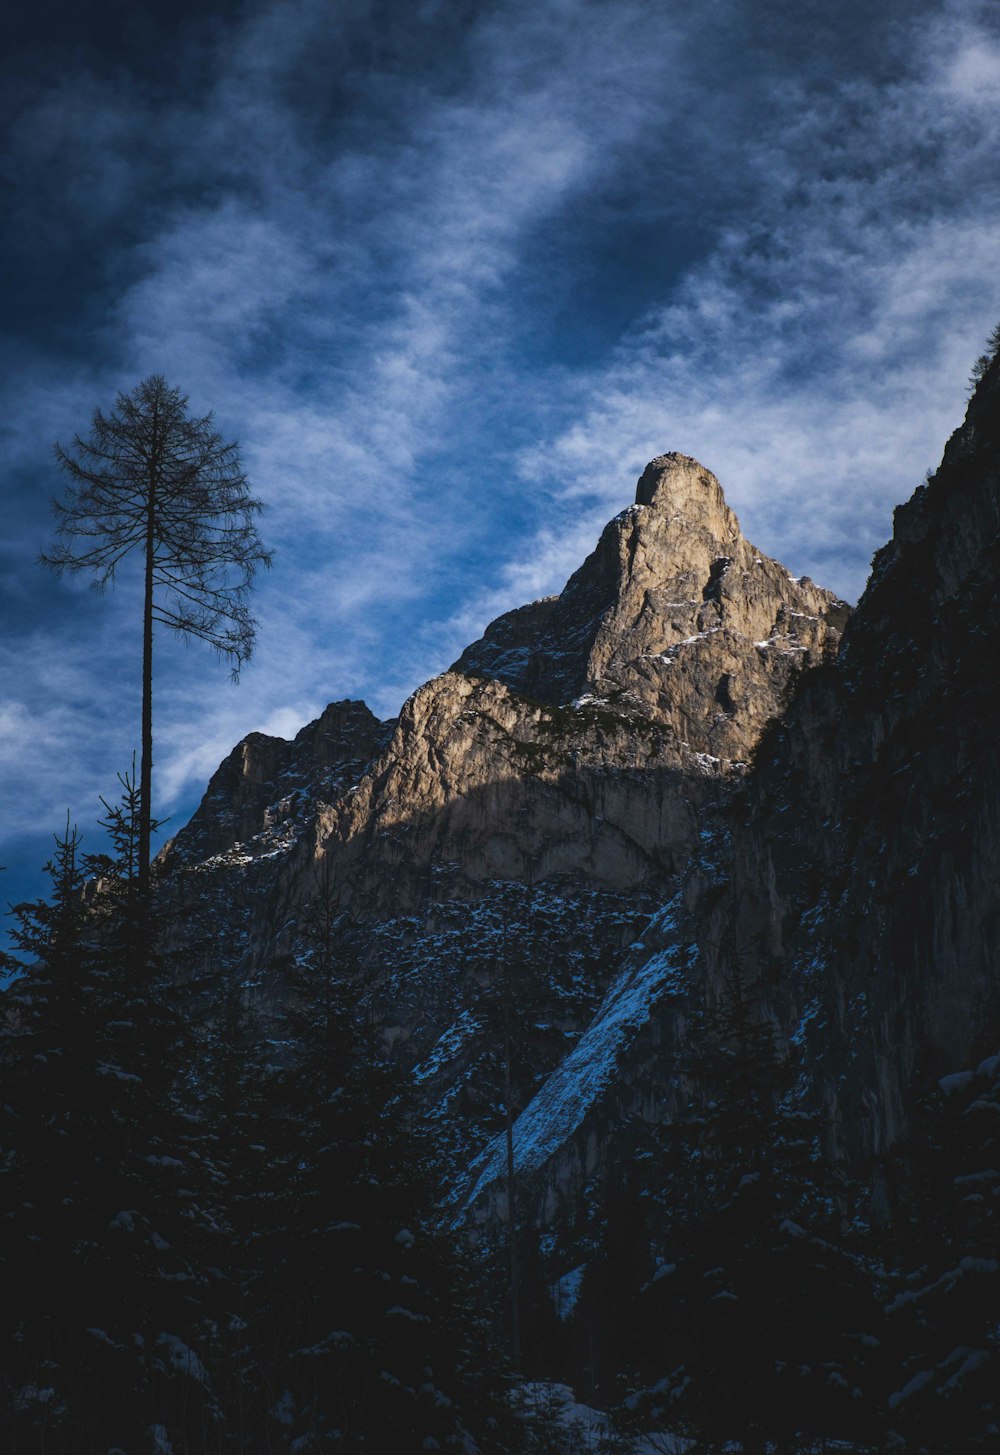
559	1108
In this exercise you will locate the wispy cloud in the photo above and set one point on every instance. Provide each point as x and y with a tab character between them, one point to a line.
816	358
452	279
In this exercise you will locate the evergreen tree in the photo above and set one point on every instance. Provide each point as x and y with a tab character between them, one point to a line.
99	1251
760	1311
981	367
153	482
604	1330
367	1338
944	1318
236	1136
513	1006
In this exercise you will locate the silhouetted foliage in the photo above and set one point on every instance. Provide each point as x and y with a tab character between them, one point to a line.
982	364
221	1242
151	481
102	1270
944	1313
754	1322
232	1240
365	1305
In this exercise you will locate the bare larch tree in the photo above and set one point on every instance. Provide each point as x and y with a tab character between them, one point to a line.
151	481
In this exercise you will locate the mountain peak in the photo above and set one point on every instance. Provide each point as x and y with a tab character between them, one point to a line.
681	486
671	579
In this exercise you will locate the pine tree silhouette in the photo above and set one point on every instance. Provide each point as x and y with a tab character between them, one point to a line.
364	1318
944	1316
100	1253
152	482
760	1309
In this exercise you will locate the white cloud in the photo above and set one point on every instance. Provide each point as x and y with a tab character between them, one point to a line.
353	267
816	360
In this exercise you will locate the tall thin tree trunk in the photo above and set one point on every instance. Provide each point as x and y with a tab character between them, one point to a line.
146	770
515	1274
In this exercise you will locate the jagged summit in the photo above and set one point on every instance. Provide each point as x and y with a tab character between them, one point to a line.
858	877
581	736
684	489
571	761
669	574
261	787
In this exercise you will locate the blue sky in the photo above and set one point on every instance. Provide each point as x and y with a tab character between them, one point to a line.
452	273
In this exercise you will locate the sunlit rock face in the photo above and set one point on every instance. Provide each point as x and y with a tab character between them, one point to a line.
544	794
585	736
675	615
265	779
852	881
675	771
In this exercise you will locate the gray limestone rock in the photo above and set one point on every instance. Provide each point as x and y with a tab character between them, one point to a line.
853	880
638	621
572	757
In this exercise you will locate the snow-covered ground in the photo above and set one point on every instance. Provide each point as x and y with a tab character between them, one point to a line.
564	1100
590	1432
586	1431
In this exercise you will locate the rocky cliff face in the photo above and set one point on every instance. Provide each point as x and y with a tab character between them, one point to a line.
558	776
585	734
675	616
853	881
868	842
265	781
585	761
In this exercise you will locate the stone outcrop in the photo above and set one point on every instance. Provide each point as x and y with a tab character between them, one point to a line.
570	758
581	736
675	615
265	780
218	876
864	856
853	881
